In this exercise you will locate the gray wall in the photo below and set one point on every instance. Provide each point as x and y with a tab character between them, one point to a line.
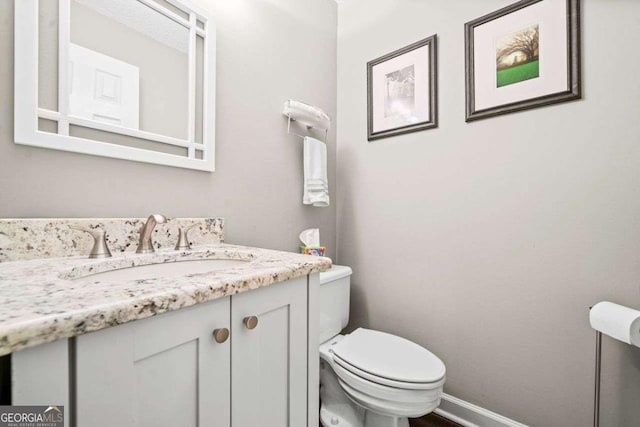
487	242
266	52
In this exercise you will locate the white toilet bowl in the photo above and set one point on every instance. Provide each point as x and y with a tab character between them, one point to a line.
377	380
370	378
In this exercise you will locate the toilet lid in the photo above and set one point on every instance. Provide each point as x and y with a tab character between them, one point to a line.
389	356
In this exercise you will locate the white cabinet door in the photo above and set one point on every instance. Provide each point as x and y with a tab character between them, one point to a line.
40	376
269	369
164	371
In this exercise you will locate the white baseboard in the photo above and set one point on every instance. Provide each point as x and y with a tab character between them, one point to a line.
470	415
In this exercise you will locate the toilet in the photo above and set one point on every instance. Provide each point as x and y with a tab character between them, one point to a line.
370	378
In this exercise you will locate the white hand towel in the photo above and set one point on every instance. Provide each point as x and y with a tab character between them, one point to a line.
316	183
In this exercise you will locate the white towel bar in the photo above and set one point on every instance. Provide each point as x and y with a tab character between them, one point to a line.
310	116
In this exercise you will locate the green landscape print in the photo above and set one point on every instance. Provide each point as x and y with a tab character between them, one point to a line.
518	56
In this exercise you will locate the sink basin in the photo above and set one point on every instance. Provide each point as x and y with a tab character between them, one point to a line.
168	269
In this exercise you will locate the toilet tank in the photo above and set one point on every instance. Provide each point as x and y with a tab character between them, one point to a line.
335	284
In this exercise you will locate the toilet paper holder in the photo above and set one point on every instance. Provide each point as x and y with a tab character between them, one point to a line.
596	391
621	323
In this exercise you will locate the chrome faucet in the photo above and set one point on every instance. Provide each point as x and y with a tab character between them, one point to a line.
146	244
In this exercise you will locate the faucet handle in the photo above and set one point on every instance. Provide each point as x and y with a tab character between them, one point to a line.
183	240
100	248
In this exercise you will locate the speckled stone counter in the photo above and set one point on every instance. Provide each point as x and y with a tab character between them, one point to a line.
41	301
35	238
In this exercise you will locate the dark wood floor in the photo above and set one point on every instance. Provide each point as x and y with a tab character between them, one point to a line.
432	420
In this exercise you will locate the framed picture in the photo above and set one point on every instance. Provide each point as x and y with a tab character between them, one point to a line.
401	91
526	55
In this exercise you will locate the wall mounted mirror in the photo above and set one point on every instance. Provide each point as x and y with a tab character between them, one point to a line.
130	79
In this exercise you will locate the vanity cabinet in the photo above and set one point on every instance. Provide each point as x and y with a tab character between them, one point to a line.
269	361
165	370
169	370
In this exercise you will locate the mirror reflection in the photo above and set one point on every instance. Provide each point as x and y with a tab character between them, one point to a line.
138	76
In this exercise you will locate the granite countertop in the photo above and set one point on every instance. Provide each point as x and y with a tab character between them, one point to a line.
41	302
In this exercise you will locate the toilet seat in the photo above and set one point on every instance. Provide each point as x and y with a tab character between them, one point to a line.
389	394
383	374
366	376
389	360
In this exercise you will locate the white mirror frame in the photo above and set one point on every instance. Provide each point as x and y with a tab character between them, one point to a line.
27	111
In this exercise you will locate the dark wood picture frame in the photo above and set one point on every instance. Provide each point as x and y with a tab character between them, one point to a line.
432	121
573	90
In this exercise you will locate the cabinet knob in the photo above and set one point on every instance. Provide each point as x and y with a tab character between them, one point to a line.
250	322
221	335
